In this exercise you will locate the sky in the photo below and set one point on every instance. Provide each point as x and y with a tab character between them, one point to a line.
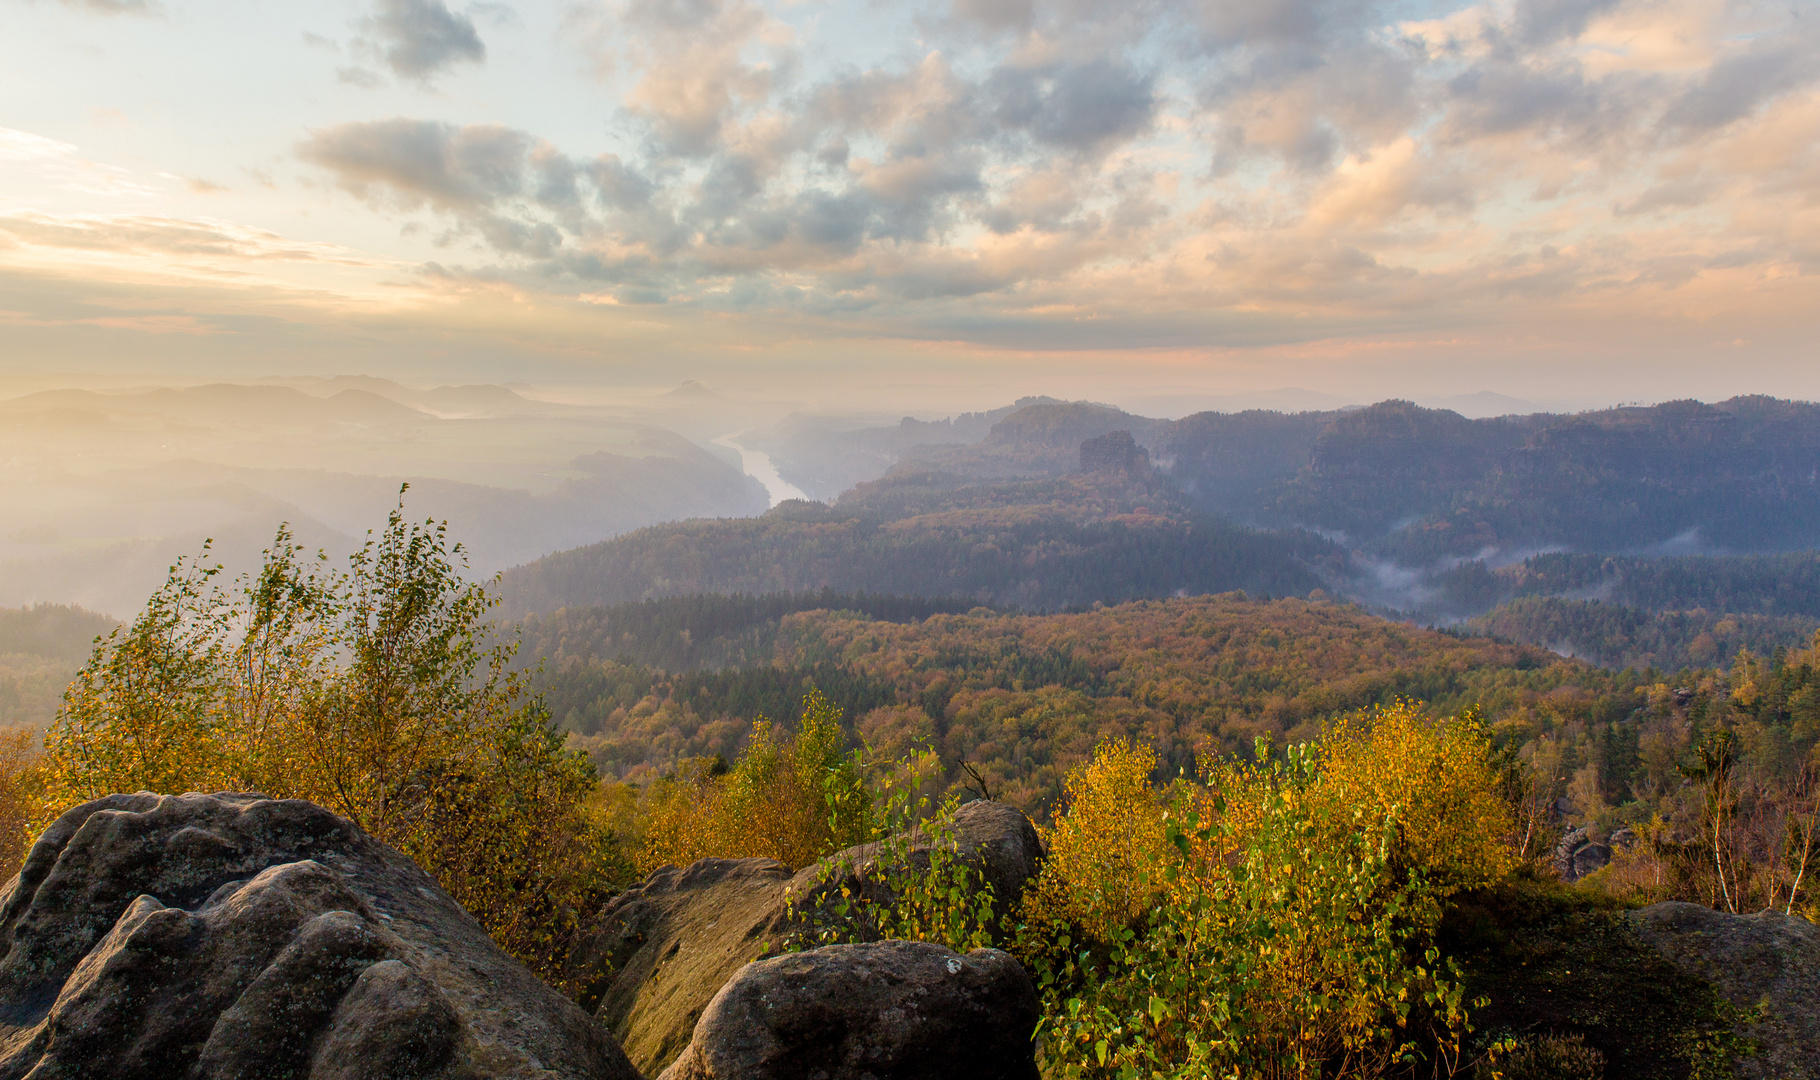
1576	201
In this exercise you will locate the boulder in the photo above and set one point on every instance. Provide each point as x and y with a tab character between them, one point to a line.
235	937
1767	959
1579	854
890	1010
661	950
994	838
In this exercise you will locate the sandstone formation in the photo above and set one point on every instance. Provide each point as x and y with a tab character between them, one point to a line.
664	948
667	945
235	937
891	1010
995	838
1579	854
1768	960
1115	451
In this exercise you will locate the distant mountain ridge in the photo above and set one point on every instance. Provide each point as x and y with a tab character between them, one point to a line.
1421	508
106	490
273	405
1395	480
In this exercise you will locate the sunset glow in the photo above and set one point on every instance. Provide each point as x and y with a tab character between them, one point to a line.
1576	201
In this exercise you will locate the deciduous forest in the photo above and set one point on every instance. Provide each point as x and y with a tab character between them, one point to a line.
1291	827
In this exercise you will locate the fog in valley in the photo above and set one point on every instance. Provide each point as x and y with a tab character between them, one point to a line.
106	488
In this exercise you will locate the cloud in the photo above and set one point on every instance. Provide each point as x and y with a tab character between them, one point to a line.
1738	83
1309	160
420	39
165	236
996	14
1082	106
358	76
25	146
1544	22
455	168
694	74
187	325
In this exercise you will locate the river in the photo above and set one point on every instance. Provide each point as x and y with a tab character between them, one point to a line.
757	465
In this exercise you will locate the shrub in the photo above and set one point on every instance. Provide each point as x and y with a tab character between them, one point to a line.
1108	849
369	692
909	882
793	799
20	779
1288	914
1546	1058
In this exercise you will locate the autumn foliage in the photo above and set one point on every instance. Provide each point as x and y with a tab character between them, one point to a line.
369	691
1272	918
789	798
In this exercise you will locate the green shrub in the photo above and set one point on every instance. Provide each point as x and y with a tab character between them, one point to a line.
370	691
1550	1057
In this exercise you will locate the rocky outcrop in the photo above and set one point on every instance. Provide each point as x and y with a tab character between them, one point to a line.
1579	854
996	839
1115	451
235	937
892	1010
1768	960
663	949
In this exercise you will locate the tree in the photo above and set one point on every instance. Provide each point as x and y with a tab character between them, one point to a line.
791	798
372	691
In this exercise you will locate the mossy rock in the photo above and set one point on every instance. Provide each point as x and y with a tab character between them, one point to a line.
1555	961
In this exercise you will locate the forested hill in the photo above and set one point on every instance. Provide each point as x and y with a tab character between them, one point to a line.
1617	635
1416	485
706	630
1742	476
41	648
1631	611
1424	512
1024	697
1041	544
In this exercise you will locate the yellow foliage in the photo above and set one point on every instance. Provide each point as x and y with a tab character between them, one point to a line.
1435	777
1273	921
374	693
1107	850
20	781
789	799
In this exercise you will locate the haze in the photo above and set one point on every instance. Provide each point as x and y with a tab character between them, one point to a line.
575	268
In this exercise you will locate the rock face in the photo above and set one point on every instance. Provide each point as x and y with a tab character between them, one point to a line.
1578	855
666	947
891	1010
995	838
235	937
1115	451
1767	959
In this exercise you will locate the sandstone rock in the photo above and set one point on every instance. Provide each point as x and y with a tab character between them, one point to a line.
1767	959
665	946
892	1010
1115	451
235	937
995	838
1579	854
661	950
